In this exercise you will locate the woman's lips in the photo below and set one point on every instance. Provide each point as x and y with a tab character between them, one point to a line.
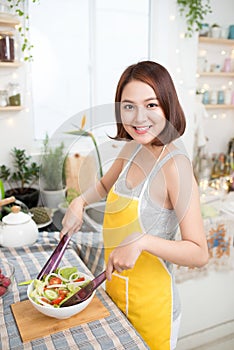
141	129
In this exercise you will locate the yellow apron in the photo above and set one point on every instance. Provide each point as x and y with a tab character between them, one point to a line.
143	293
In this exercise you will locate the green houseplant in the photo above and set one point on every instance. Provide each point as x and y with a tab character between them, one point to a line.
81	132
21	178
52	174
20	8
194	12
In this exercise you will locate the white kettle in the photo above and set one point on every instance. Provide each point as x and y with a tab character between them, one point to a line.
17	229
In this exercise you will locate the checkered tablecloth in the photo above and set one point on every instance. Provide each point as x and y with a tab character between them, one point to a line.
113	332
90	248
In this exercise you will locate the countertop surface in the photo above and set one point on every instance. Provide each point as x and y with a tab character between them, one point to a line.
112	332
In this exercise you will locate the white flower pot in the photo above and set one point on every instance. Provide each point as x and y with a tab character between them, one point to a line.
215	32
51	199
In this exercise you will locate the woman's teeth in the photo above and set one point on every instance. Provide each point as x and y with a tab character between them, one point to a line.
142	128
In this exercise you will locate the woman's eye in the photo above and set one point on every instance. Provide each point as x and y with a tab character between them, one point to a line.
128	107
152	105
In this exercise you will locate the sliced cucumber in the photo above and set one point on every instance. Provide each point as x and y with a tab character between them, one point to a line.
50	294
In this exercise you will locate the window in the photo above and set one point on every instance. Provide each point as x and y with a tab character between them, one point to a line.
80	50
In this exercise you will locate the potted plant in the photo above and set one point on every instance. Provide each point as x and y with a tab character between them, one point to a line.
194	12
20	9
215	31
81	132
52	175
21	178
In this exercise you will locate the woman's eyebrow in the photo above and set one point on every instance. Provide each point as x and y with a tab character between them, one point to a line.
146	100
128	101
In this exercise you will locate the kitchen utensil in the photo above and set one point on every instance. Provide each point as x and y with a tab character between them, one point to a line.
85	292
17	228
55	258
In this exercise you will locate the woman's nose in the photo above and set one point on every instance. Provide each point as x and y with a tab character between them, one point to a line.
140	115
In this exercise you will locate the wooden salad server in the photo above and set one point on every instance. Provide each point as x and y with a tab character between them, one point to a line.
55	258
85	292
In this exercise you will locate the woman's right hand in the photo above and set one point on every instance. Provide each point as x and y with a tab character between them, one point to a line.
73	218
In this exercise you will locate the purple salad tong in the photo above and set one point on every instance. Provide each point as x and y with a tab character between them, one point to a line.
85	292
55	258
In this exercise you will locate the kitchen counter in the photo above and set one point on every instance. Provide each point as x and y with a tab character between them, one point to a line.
112	332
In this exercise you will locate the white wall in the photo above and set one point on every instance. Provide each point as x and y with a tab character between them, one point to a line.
16	129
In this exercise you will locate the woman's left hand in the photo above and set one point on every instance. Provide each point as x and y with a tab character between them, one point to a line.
125	255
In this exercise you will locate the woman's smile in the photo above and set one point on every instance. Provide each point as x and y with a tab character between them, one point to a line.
141	130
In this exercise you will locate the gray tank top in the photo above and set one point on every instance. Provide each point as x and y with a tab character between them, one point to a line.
154	219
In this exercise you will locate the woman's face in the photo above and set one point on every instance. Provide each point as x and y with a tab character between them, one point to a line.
141	115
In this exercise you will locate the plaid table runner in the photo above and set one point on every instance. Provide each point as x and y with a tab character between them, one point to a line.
114	332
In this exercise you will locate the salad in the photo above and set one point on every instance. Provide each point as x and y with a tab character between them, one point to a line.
57	287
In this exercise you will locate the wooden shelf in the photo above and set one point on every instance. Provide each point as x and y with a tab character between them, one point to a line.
9	21
219	41
11	108
15	64
219	106
216	74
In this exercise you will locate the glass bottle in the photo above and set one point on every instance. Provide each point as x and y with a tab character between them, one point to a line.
221	164
3	98
14	94
215	168
231	152
7	47
227	166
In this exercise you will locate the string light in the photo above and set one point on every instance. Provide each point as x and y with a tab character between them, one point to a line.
223	115
172	17
10	122
15	76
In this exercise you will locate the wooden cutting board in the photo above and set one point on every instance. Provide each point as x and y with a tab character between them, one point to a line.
40	325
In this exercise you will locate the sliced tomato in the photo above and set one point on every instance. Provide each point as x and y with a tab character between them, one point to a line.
45	300
58	300
55	280
80	279
62	292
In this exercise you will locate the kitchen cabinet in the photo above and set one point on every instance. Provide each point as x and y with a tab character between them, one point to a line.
8	24
215	79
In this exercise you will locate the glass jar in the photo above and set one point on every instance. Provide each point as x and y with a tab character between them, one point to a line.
7	47
3	98
14	94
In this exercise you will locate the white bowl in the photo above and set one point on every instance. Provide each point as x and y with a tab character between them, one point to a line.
62	312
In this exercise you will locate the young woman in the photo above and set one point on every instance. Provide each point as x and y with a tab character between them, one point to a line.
151	192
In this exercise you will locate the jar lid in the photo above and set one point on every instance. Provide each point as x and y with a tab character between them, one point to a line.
16	217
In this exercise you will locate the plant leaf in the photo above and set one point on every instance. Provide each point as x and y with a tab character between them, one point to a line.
79	132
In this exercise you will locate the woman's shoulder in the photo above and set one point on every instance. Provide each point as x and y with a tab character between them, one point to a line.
176	161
